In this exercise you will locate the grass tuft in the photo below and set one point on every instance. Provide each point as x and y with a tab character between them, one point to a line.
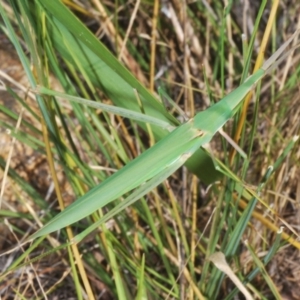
115	181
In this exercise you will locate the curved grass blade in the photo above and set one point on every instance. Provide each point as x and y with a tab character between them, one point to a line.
127	113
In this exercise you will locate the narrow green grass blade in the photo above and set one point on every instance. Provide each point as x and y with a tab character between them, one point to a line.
75	274
231	247
108	108
264	273
122	292
272	251
141	291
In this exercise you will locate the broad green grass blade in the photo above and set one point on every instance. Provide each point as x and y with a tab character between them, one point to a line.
136	195
166	152
179	144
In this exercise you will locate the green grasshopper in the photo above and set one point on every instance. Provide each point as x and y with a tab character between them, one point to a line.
160	161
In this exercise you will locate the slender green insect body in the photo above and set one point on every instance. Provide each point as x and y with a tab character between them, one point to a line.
185	139
169	153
